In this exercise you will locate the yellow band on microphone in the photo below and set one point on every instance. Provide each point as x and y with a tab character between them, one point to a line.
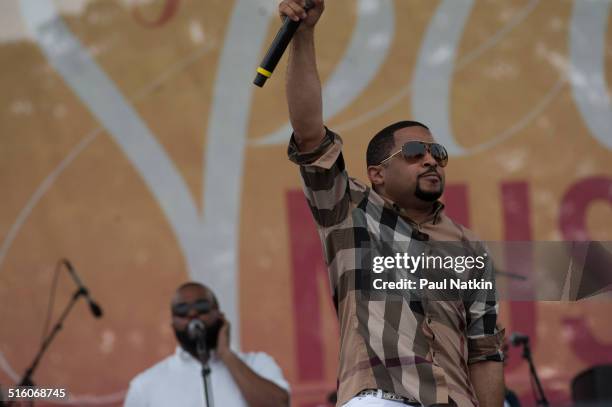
264	72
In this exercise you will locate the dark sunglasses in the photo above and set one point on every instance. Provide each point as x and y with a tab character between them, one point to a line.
417	150
182	309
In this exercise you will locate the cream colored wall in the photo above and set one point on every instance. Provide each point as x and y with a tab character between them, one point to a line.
83	181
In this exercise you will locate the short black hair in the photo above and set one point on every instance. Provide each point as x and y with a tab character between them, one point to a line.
381	144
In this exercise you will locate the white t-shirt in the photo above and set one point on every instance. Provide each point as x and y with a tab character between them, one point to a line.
177	381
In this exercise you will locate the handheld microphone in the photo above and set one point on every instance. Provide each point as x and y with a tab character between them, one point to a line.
277	48
93	306
517	339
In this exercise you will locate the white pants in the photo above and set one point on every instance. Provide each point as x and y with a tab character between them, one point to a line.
372	401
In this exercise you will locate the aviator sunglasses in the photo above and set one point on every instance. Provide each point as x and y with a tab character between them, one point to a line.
182	308
417	150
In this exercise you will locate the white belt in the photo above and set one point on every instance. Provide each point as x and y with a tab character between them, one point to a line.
387	395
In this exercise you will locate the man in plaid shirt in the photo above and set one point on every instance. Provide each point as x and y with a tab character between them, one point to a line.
393	348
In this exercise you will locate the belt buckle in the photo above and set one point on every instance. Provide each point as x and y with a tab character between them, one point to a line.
387	395
368	392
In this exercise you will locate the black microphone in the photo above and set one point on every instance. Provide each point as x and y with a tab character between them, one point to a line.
277	48
93	306
517	338
196	330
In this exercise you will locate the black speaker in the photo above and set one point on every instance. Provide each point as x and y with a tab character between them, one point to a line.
593	387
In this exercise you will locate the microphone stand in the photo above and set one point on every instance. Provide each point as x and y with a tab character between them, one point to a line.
27	377
203	355
540	396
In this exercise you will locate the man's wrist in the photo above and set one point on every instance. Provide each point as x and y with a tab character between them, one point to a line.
304	33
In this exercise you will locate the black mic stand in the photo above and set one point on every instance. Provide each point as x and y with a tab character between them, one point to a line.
27	377
204	355
540	396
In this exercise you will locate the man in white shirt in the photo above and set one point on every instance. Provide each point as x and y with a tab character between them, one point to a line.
236	379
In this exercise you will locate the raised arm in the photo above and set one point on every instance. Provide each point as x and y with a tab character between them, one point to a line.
303	84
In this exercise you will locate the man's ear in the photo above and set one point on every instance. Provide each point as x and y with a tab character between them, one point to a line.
376	175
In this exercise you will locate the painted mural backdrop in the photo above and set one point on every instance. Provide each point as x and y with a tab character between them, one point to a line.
133	143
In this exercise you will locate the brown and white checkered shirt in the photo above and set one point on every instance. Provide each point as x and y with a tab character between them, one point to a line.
417	349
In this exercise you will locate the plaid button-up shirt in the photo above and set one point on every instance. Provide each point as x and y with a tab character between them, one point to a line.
419	349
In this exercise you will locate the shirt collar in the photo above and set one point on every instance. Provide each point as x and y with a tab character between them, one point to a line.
187	357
